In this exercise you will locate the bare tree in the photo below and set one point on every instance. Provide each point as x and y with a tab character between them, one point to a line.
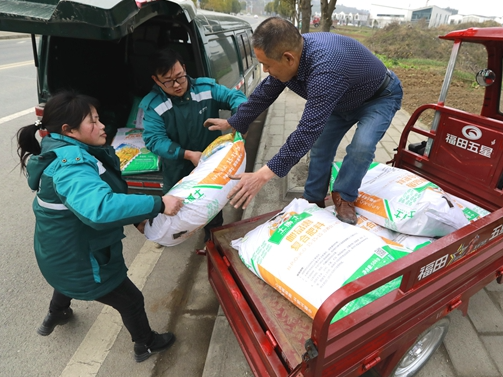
327	8
305	9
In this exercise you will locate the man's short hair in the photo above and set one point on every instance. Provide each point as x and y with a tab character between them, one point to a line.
276	35
164	60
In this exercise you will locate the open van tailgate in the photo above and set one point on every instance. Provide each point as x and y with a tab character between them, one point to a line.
89	19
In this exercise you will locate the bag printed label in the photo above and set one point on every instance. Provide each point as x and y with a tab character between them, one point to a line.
410	242
306	254
471	211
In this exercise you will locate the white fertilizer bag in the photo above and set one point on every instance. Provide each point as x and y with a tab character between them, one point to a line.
306	254
471	211
204	191
410	242
406	203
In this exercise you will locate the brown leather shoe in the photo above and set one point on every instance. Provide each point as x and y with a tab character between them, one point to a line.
345	210
319	203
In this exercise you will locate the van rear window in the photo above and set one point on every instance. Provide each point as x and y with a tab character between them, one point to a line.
224	61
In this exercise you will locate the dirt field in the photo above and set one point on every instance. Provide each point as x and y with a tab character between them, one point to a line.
422	87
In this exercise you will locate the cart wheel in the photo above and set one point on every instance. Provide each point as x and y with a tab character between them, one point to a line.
425	346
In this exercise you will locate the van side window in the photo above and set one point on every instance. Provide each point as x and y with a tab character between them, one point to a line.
249	49
244	52
224	61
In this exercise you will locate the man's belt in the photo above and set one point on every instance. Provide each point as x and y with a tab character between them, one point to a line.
384	85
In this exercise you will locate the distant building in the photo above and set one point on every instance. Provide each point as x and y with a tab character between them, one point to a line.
350	19
456	19
433	15
460	19
382	15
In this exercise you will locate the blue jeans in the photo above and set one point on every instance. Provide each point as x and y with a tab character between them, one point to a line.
372	119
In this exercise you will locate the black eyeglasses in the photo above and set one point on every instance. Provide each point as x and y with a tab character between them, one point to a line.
180	80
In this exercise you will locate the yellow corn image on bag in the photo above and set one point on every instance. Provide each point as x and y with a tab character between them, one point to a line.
134	156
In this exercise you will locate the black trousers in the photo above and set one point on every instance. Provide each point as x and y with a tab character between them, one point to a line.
128	300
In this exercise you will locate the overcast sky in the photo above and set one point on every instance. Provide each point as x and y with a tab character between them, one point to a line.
487	8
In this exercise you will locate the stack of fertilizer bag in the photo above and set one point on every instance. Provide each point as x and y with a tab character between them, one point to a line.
204	191
134	157
129	146
306	253
406	203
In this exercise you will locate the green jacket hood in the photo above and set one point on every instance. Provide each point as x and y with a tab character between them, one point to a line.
63	147
38	163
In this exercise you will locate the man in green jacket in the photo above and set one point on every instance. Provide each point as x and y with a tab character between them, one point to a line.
173	115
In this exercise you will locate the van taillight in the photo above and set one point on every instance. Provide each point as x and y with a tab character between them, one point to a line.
39	112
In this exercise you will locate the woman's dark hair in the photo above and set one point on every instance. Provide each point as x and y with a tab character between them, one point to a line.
66	107
164	60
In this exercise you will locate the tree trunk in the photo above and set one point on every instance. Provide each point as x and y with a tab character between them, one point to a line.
306	15
327	8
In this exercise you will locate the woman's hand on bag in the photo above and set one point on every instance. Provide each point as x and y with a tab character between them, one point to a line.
141	226
172	204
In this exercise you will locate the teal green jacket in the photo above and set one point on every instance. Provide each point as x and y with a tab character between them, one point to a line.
175	124
80	209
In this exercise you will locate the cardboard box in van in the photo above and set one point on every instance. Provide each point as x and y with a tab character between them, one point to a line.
103	49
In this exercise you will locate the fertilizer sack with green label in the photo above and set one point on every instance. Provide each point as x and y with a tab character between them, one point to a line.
204	191
133	155
405	240
471	211
405	202
306	254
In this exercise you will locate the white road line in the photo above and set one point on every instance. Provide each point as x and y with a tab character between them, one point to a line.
17	115
92	352
14	65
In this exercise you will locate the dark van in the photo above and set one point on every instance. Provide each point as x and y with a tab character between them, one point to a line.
102	48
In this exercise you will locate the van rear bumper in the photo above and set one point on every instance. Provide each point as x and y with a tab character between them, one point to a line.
150	183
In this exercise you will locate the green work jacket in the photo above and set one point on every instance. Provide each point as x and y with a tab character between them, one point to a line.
175	124
80	209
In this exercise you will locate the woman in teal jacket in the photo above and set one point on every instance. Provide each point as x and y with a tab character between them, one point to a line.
81	206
